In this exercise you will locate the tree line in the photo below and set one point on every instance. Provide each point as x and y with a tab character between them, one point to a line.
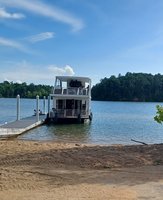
130	87
11	90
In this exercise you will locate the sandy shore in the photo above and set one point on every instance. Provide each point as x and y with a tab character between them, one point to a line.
48	170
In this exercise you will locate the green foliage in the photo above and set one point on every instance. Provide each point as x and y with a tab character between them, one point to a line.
159	114
130	87
10	90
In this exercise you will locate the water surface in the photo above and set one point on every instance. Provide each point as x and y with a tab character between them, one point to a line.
113	123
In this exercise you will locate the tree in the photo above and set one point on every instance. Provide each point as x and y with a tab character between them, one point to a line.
130	87
10	90
159	114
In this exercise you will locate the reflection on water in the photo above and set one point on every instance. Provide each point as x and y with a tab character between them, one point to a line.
76	132
68	132
113	123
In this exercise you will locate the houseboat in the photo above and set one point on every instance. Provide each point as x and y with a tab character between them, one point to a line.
71	100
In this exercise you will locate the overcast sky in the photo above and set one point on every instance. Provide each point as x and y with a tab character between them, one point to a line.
40	39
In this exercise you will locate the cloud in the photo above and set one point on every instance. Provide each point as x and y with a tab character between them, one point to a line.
40	37
24	71
40	8
16	45
15	81
7	15
67	70
12	44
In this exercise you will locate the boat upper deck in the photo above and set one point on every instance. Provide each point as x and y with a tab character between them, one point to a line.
71	86
71	91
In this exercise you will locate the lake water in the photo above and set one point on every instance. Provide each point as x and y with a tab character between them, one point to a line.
113	123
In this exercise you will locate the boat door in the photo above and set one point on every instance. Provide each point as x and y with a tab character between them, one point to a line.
73	107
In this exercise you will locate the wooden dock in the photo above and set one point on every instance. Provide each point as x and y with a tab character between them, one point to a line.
20	126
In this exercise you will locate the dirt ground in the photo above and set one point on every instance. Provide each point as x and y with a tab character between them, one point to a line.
60	171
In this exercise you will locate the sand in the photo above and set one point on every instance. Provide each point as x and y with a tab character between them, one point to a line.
48	170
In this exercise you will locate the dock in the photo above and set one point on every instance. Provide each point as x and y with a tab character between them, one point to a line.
20	126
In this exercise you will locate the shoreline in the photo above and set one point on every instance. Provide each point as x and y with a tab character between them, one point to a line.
111	156
50	170
78	143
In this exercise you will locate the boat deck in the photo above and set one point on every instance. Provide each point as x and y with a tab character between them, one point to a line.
21	126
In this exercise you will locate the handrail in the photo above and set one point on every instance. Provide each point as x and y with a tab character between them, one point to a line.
72	91
70	112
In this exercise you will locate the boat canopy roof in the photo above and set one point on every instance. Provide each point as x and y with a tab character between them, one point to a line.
66	78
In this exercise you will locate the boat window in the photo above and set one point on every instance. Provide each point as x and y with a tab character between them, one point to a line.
60	104
83	104
75	83
69	104
87	85
64	84
58	83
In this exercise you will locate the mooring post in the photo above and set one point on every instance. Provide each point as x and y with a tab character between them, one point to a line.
37	108
18	107
49	104
44	105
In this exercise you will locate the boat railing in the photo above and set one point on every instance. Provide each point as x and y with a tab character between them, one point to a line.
70	112
72	91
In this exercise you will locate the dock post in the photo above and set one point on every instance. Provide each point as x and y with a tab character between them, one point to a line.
44	105
37	108
18	107
49	104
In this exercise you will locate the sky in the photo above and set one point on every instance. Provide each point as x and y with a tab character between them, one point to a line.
40	39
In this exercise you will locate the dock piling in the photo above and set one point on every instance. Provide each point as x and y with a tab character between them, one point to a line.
37	108
44	105
49	97
18	107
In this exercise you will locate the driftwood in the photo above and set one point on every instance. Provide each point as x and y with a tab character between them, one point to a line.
139	142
